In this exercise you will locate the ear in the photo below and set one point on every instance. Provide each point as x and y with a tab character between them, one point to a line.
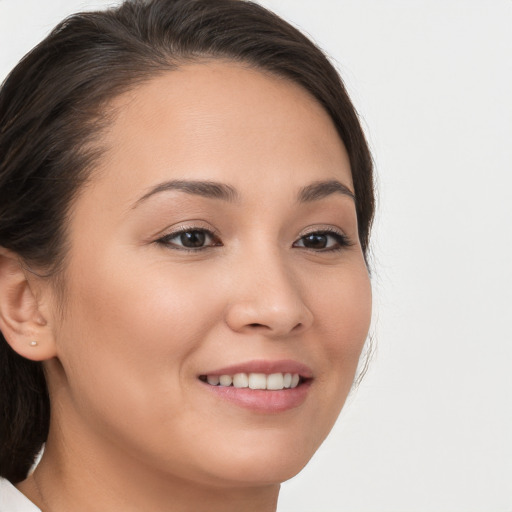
22	322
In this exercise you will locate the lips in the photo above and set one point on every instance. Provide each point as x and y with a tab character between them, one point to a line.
263	386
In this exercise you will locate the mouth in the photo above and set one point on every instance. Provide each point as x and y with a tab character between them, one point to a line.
261	386
261	381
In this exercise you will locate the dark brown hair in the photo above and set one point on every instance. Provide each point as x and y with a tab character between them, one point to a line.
53	110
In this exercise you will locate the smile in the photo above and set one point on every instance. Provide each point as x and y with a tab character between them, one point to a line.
267	387
273	381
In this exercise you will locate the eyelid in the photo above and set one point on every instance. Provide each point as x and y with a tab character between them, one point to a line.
326	230
198	225
322	229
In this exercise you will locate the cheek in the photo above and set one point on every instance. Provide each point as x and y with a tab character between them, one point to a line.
343	318
128	334
344	314
144	313
127	345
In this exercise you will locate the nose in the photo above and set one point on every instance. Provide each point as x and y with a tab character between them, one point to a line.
266	297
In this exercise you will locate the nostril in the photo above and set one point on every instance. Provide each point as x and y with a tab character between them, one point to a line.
268	319
256	325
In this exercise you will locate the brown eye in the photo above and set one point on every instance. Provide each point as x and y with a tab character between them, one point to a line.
190	239
315	241
323	241
193	239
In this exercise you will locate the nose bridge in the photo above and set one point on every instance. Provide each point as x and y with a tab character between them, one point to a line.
267	294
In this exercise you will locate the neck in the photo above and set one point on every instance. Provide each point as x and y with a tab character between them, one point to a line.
92	484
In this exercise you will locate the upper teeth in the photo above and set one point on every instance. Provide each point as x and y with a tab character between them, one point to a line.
274	381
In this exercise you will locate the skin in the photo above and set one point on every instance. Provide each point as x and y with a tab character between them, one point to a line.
132	427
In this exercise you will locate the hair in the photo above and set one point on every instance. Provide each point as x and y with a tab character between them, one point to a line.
53	109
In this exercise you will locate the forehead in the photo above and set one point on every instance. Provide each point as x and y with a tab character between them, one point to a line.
221	121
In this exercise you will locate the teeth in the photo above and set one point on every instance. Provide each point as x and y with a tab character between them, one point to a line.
274	381
257	381
226	380
213	380
240	380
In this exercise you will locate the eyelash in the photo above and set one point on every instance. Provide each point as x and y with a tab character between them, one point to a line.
165	240
342	241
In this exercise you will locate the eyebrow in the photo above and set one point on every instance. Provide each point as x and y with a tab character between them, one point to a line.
322	189
215	190
209	189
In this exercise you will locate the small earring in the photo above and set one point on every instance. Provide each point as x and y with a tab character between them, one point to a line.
33	343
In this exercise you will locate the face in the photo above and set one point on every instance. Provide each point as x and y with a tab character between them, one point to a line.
217	238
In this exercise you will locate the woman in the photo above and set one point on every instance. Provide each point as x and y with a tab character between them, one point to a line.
186	197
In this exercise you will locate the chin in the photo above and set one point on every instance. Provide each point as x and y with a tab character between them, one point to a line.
260	460
261	472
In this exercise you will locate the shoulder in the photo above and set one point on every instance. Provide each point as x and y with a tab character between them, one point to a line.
12	500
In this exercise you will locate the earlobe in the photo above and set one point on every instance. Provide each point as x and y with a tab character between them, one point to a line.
21	322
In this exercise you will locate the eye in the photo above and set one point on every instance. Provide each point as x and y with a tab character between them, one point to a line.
190	239
325	240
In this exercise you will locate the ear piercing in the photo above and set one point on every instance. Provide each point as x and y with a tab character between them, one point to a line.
33	343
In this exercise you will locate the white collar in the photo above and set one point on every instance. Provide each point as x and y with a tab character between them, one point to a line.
12	500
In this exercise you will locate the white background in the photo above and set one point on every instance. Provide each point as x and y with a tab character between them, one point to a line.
430	427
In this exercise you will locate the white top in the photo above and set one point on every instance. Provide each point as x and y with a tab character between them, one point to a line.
12	500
